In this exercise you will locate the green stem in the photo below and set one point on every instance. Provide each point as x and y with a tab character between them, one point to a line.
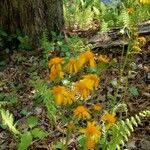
67	140
121	72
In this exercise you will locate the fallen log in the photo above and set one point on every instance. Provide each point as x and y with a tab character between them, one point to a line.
115	40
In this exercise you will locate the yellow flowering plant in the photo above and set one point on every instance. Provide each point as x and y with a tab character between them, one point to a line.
144	1
74	97
83	116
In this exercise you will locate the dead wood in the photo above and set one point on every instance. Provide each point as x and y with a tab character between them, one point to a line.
115	40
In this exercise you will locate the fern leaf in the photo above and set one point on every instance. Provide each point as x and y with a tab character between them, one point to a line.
8	120
122	130
46	95
124	17
3	103
104	26
25	142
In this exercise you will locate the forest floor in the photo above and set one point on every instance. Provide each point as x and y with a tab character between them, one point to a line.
15	87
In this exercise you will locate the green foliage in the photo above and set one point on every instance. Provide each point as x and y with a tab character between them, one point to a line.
26	139
66	47
47	48
8	98
32	121
122	130
24	42
20	59
8	41
104	26
3	103
13	41
124	18
8	120
80	13
82	140
39	133
133	90
46	95
72	46
58	145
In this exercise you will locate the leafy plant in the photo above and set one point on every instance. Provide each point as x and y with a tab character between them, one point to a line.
32	121
80	13
8	120
26	139
122	130
68	47
47	48
39	133
133	90
46	95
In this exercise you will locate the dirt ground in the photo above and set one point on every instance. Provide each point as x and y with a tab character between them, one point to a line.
14	83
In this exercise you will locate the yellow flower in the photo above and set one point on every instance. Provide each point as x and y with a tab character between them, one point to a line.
103	58
84	87
62	96
136	48
87	57
81	112
110	119
130	10
134	31
55	68
72	66
142	40
90	144
144	1
93	78
92	131
97	107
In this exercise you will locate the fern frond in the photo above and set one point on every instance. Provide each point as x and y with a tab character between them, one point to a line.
3	103
46	95
122	130
8	120
124	17
104	26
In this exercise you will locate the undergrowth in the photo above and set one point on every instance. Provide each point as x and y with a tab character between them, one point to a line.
75	75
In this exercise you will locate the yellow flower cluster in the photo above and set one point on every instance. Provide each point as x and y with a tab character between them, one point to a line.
56	68
81	89
142	40
81	112
136	48
86	85
103	58
74	65
63	96
130	10
97	107
144	1
92	133
87	57
109	119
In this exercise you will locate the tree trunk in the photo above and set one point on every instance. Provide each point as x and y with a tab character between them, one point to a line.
33	17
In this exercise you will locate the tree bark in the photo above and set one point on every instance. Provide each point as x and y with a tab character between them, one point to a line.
33	17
